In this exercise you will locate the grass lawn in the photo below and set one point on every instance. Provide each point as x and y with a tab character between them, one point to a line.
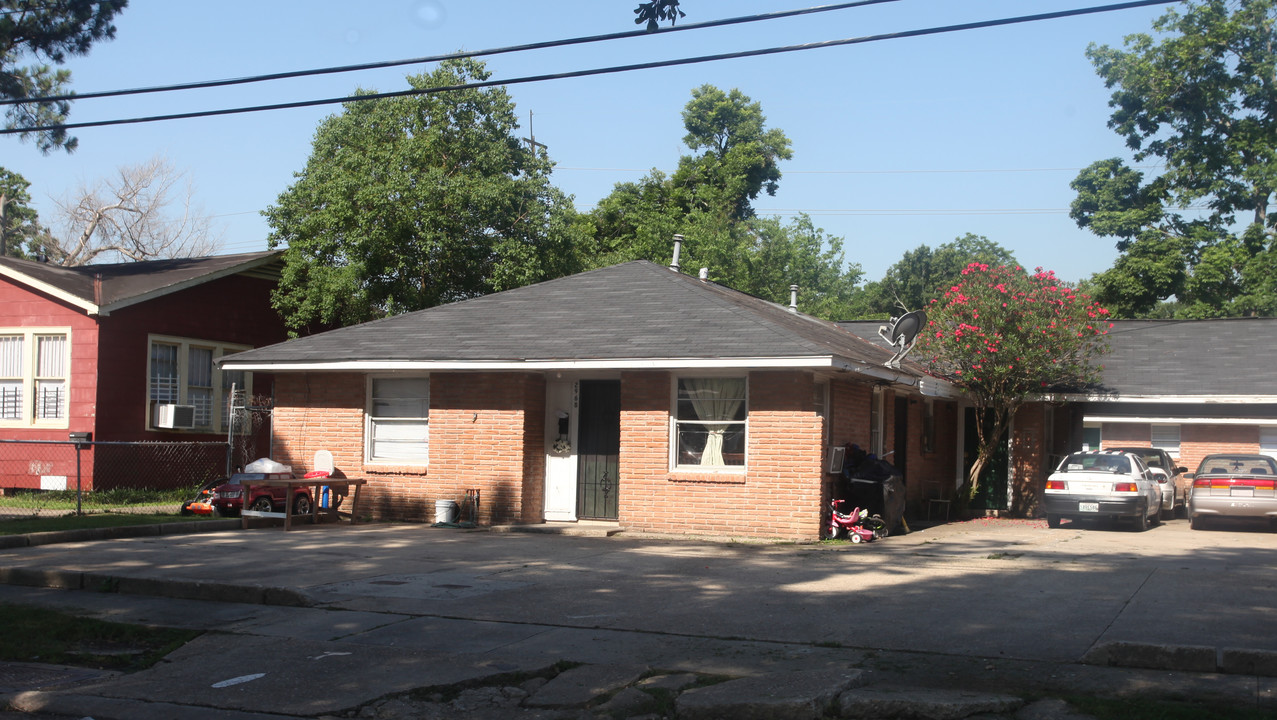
34	634
22	526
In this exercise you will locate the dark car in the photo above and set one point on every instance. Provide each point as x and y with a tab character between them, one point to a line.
1234	485
1171	477
240	491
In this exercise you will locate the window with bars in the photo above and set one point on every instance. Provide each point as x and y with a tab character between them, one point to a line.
183	372
34	368
1166	437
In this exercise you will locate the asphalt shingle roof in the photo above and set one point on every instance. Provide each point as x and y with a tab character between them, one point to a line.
125	282
1176	358
633	311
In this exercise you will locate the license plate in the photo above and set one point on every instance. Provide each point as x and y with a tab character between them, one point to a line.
1088	507
1243	492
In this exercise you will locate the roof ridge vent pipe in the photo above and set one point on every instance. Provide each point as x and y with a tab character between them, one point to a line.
678	250
704	274
793	298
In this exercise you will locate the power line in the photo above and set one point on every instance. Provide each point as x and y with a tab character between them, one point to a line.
598	71
450	56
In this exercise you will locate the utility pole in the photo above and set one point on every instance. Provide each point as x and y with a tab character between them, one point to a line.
532	141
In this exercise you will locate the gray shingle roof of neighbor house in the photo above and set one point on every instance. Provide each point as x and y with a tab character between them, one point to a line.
1193	358
124	284
636	314
1228	358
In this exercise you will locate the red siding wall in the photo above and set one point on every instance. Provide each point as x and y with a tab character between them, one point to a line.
233	309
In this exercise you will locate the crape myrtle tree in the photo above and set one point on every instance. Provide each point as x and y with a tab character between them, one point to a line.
1199	100
39	32
1006	337
411	202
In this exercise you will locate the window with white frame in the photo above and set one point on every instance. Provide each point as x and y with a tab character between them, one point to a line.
181	371
709	422
34	368
1268	441
1166	437
398	420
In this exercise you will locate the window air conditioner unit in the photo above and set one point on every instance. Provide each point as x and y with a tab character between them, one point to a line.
177	417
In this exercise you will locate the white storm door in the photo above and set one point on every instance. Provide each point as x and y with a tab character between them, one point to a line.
560	461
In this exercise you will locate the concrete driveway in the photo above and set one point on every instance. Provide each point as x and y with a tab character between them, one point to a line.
978	603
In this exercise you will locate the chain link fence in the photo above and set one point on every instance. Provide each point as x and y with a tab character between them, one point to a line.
50	478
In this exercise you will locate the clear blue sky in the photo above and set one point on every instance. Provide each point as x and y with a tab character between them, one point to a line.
896	143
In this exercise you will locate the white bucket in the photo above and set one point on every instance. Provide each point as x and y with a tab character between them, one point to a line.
446	511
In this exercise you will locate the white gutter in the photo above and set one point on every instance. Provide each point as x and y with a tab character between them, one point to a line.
1168	399
483	366
1171	420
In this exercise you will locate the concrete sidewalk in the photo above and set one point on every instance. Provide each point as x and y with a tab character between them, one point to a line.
338	619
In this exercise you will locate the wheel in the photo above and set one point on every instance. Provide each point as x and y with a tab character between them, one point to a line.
877	525
301	504
855	537
1052	521
1197	522
829	533
1168	513
1156	518
262	504
1141	522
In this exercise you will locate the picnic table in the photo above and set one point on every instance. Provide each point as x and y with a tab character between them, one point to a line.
337	487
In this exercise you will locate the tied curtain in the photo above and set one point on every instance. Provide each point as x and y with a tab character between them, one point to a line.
716	402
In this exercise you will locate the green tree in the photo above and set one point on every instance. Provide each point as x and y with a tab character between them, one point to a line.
407	203
923	274
19	222
1005	338
47	31
1201	100
709	201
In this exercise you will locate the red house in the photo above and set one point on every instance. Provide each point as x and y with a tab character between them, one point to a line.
126	352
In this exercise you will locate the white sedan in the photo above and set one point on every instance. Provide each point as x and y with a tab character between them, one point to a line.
1102	483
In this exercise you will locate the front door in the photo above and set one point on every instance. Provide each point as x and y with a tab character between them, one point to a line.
599	440
561	421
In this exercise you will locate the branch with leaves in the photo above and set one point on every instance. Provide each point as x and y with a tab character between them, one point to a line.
657	11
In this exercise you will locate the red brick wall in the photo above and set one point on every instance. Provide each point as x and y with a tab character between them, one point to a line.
778	496
1198	441
1195	441
486	433
1028	460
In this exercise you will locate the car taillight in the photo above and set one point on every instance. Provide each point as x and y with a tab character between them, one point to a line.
1125	487
1202	482
1054	484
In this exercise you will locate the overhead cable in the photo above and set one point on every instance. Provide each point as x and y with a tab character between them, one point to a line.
599	71
198	85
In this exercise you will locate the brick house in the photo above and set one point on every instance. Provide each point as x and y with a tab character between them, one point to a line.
102	348
1191	387
632	394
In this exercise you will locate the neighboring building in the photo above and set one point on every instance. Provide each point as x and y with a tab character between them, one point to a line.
1191	387
632	394
122	350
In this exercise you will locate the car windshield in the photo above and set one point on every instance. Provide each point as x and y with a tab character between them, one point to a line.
1086	462
1237	465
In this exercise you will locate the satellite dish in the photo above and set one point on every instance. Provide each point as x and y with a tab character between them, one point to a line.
902	333
906	329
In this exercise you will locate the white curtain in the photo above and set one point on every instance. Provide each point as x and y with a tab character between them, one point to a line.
715	401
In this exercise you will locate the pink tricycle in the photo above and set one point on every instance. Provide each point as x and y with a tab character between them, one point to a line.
859	524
